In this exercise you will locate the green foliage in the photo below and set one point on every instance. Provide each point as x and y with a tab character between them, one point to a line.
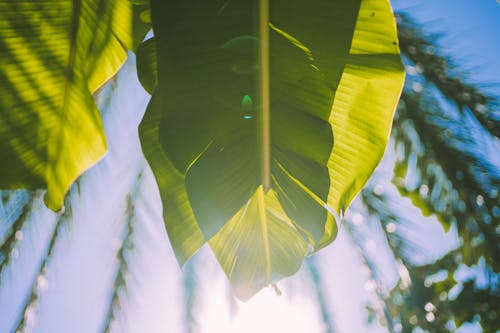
54	56
146	65
446	76
451	178
53	52
247	99
444	132
447	185
259	203
438	302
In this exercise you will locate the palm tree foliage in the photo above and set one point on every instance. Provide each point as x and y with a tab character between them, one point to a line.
444	141
445	136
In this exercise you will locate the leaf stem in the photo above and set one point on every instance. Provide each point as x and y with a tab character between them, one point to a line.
265	130
265	235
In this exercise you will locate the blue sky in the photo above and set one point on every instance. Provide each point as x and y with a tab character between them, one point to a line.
471	33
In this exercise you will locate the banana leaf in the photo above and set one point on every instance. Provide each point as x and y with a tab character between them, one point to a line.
54	55
240	129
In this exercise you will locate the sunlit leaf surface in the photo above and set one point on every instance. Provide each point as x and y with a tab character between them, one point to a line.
259	245
240	128
53	56
365	102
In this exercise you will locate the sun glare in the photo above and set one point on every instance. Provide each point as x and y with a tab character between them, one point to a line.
265	312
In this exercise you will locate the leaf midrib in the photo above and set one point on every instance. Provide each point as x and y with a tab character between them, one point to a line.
67	83
265	234
265	122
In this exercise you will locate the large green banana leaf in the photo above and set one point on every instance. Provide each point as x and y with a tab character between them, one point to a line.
54	55
240	128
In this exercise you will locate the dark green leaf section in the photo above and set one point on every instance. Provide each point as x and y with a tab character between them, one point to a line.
208	86
183	232
325	27
146	65
202	130
227	172
260	197
141	22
